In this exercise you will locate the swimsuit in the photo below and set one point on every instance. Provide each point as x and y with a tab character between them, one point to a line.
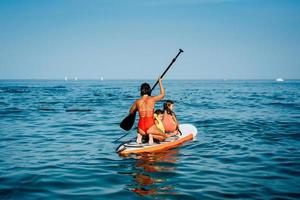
169	123
145	122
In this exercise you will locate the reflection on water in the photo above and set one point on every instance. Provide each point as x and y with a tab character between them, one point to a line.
151	173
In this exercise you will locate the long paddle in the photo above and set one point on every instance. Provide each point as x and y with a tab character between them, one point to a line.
128	121
174	59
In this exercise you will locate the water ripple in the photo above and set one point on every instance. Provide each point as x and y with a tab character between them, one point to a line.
57	142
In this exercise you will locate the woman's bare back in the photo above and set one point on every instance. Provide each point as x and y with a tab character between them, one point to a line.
145	106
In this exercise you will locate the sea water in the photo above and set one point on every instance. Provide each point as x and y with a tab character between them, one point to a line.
57	141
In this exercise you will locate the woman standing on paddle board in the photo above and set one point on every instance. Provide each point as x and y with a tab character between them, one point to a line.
145	106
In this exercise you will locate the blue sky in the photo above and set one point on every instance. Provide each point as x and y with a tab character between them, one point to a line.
136	39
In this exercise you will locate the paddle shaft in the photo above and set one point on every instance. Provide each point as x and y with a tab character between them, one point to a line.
174	59
128	121
121	137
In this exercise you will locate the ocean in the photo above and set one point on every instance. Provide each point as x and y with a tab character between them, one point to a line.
57	141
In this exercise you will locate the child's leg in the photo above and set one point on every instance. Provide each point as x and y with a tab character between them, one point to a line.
172	134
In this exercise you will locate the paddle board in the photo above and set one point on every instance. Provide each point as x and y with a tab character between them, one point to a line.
189	132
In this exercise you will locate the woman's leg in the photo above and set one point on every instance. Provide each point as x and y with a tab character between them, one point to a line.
156	133
139	137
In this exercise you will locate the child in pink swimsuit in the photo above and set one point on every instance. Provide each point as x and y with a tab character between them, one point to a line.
169	119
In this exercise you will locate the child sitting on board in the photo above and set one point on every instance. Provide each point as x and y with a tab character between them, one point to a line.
170	122
158	116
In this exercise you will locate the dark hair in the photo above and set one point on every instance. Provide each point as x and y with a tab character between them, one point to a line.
145	89
166	106
159	111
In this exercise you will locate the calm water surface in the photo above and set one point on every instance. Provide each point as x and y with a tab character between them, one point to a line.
57	141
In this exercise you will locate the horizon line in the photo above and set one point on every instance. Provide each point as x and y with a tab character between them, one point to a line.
132	79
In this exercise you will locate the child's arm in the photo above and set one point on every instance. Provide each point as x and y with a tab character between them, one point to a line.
174	118
177	123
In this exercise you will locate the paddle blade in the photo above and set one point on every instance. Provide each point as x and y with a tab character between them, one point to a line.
128	122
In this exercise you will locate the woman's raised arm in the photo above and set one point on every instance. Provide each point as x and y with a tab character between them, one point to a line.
162	91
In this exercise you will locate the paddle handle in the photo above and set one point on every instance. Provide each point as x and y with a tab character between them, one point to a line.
174	59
